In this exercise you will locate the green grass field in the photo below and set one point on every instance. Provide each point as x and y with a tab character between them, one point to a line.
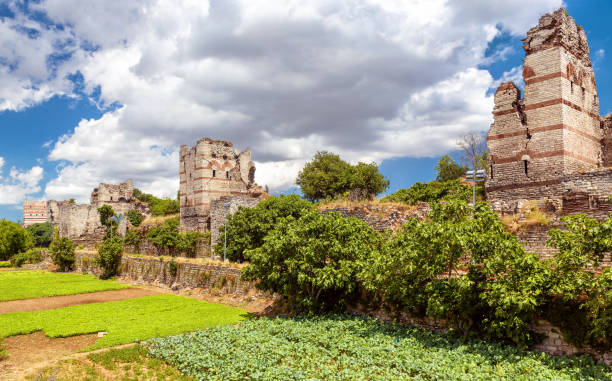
125	321
15	285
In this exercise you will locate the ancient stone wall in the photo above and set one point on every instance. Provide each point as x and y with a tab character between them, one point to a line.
555	130
221	208
209	170
81	222
380	216
156	271
35	212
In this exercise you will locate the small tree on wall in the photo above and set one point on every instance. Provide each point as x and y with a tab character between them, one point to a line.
62	253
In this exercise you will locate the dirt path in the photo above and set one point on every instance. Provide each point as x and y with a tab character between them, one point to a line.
38	304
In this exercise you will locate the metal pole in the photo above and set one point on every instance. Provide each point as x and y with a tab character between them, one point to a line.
225	243
474	190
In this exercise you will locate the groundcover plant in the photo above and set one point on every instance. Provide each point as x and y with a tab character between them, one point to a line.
352	348
15	285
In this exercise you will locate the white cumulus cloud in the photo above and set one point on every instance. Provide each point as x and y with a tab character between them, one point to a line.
15	187
368	79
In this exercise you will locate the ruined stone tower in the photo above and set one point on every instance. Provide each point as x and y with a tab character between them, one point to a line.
554	131
208	171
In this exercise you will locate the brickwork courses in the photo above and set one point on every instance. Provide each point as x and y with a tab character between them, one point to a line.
35	212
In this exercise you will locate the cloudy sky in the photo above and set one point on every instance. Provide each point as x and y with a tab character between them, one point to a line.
100	91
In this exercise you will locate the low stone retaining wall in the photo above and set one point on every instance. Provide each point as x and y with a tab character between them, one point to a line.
380	216
176	273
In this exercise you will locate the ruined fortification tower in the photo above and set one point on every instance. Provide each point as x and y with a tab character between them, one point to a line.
555	129
209	170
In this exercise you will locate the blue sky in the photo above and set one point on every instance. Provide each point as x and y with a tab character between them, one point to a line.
106	92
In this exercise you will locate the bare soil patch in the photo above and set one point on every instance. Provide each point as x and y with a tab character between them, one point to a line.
38	304
25	351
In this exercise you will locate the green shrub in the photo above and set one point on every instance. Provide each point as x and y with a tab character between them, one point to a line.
313	260
106	212
13	239
247	228
62	253
432	192
580	300
158	206
132	239
29	257
187	242
165	236
134	217
172	268
5	264
109	256
42	234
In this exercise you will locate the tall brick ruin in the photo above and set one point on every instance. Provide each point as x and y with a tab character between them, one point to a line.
555	129
210	171
550	149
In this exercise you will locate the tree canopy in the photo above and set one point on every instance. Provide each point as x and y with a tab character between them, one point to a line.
158	206
13	239
327	176
447	169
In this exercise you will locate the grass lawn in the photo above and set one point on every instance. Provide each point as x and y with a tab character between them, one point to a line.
350	348
133	363
125	321
15	285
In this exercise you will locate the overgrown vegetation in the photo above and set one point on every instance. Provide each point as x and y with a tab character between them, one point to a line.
167	236
134	217
247	227
327	176
16	285
312	260
125	321
13	239
432	192
158	206
350	348
109	256
42	234
448	169
29	257
62	253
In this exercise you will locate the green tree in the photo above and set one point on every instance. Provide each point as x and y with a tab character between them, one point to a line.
447	169
13	239
326	176
366	178
132	239
187	242
109	256
247	228
165	236
134	217
106	212
41	233
314	260
62	253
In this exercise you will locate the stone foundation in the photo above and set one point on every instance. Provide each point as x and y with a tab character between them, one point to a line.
380	216
157	271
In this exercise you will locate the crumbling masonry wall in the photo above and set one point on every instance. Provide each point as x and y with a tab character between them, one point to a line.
208	171
223	207
555	130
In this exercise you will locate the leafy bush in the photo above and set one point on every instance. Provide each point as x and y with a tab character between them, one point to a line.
581	291
62	253
132	239
109	256
313	260
187	242
158	206
106	212
431	192
351	348
13	239
247	228
164	236
5	264
29	257
135	217
327	176
447	169
172	268
425	269
41	233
